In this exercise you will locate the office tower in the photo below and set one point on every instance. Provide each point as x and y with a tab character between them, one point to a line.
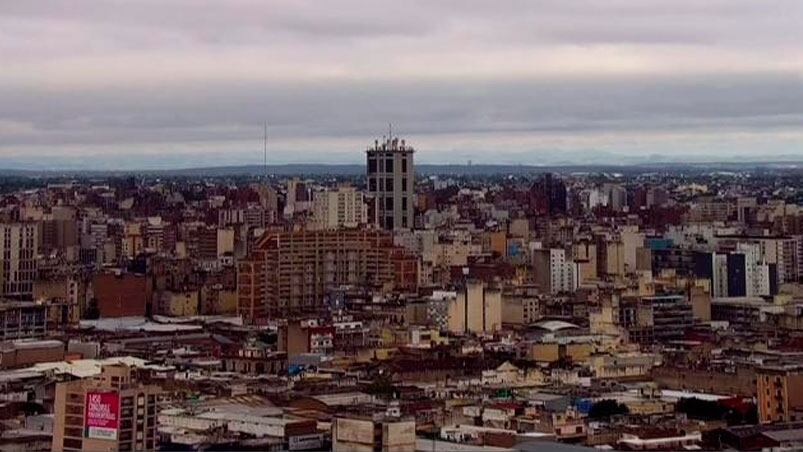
19	246
111	411
548	195
343	207
737	274
391	181
617	196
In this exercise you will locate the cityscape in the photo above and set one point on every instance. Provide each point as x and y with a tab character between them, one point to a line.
262	225
639	310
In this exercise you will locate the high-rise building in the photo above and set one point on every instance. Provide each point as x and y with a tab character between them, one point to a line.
111	411
391	182
548	195
298	197
476	309
736	274
554	273
19	246
343	207
296	270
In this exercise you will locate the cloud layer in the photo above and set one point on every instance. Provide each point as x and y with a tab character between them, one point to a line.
187	82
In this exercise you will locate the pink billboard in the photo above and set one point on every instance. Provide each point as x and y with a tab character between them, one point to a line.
102	415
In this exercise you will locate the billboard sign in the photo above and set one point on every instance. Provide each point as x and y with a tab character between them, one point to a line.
102	415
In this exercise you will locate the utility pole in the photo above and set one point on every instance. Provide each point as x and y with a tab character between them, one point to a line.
265	150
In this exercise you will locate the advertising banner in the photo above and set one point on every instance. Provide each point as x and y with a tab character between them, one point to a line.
102	415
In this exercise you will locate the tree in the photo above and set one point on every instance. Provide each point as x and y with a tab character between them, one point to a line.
604	409
92	310
382	386
696	408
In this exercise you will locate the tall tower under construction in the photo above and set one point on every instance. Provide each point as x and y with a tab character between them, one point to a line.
391	182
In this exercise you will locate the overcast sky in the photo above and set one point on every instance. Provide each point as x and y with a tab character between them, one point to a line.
190	82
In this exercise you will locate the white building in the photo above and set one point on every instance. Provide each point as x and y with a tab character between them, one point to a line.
554	273
343	207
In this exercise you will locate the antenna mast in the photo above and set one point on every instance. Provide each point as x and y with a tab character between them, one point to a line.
265	150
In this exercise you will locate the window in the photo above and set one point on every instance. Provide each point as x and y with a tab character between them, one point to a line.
371	165
70	443
74	421
404	165
389	203
389	165
388	222
372	184
404	184
389	184
404	204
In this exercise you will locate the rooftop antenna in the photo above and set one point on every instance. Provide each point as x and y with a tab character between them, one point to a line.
390	131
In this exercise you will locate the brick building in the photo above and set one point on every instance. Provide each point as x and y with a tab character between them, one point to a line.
121	294
295	271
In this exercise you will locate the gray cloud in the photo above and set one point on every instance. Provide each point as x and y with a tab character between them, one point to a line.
198	77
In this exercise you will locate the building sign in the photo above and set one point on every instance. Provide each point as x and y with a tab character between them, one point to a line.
312	441
102	415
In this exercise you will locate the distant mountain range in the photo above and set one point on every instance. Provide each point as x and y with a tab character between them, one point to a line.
507	163
302	169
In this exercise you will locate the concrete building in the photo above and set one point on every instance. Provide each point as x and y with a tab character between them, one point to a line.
108	412
297	199
632	241
740	273
610	256
22	320
19	247
370	434
476	309
554	272
584	253
672	317
120	294
391	183
343	207
779	393
521	307
295	271
265	428
59	231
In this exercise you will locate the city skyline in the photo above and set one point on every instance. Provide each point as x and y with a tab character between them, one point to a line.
177	84
304	225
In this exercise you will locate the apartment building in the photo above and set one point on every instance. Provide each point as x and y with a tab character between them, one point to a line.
112	411
343	207
19	247
295	270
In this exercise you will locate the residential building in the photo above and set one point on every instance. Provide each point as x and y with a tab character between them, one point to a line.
108	412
